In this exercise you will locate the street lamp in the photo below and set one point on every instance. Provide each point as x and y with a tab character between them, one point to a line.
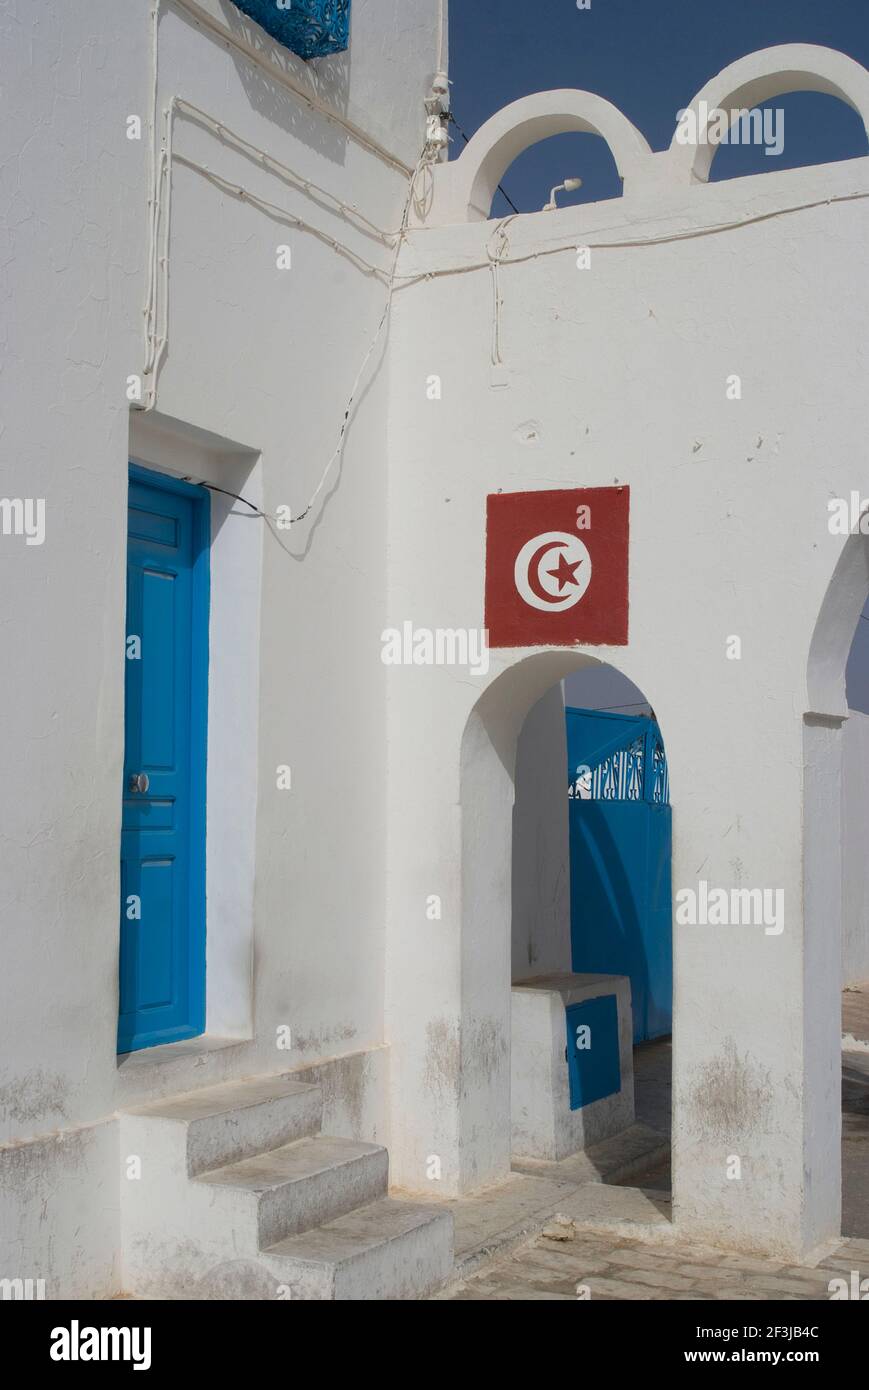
569	186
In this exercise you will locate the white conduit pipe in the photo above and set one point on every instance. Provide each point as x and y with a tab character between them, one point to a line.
159	203
223	132
239	191
160	214
278	74
157	319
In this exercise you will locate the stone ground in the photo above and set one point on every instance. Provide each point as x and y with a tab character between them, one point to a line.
612	1233
611	1267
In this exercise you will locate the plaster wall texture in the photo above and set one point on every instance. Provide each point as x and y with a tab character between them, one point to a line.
619	373
404	777
255	383
543	1123
541	861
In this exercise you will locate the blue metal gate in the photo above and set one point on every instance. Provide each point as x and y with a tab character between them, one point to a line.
620	851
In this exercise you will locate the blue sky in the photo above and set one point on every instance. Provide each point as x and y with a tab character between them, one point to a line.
649	57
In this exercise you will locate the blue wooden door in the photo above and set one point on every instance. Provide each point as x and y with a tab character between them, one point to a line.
620	854
162	952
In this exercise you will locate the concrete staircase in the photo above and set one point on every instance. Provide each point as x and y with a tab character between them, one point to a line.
241	1197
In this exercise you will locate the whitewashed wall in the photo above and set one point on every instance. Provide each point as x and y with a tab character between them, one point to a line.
259	367
619	374
403	777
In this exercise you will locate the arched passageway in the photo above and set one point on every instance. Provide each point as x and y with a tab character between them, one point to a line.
560	926
837	884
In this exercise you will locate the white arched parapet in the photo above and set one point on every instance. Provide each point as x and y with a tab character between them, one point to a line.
475	175
761	76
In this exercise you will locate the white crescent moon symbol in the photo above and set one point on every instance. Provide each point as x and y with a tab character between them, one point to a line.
529	581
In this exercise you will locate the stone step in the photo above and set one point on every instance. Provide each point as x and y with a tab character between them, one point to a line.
389	1249
300	1185
224	1124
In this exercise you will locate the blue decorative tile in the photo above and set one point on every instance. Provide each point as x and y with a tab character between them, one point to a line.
311	28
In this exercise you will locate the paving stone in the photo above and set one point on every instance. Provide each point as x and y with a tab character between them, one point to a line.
706	1274
621	1288
558	1260
542	1278
813	1278
848	1263
517	1293
535	1280
780	1286
616	1265
644	1259
481	1287
660	1279
749	1262
738	1296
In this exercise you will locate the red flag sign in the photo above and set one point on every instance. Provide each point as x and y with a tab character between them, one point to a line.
557	567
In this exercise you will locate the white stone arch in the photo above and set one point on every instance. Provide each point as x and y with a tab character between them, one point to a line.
475	175
487	773
834	630
764	75
824	850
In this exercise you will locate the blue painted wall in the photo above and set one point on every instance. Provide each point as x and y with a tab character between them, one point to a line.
593	1064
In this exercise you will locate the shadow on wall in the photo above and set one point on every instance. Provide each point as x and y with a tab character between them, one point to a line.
857	668
325	78
541	855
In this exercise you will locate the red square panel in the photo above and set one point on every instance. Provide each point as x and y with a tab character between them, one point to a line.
557	567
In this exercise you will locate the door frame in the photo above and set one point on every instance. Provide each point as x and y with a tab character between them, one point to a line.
198	783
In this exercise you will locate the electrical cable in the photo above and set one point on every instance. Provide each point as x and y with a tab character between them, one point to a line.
156	308
257	58
281	214
425	157
501	188
636	242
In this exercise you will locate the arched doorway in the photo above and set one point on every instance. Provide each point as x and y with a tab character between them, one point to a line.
836	771
505	846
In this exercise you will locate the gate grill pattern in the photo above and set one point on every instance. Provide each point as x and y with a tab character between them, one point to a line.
635	772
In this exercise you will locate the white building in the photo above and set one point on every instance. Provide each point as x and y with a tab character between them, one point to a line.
332	855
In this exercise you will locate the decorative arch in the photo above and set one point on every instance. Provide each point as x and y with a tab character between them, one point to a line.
475	175
487	782
764	75
834	629
827	854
